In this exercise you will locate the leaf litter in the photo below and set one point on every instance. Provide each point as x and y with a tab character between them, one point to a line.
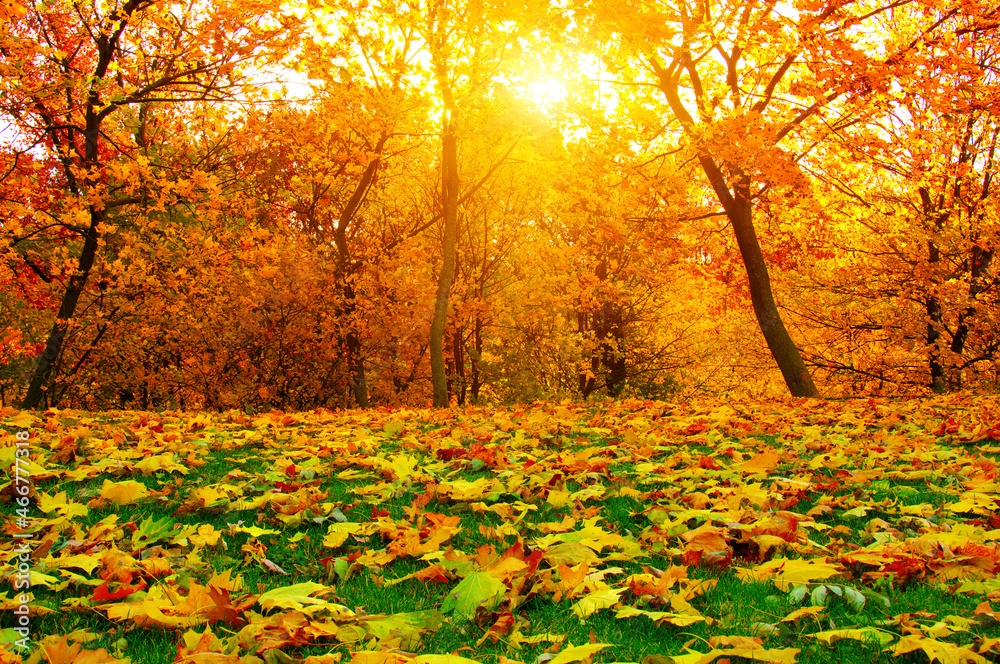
168	522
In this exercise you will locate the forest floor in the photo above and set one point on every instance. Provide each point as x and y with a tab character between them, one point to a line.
646	532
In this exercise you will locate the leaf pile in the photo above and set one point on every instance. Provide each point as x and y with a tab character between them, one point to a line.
238	538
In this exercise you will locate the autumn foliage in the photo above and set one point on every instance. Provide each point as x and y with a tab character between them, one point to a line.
855	530
324	205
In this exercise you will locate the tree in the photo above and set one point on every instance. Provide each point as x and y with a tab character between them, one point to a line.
523	151
443	22
327	160
918	178
81	66
742	79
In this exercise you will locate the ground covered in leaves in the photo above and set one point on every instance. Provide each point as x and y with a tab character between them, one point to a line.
796	531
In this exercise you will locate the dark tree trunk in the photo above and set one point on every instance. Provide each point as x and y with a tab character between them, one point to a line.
458	356
786	354
978	283
735	195
739	210
477	340
351	340
36	394
935	315
356	365
449	259
935	323
587	379
615	368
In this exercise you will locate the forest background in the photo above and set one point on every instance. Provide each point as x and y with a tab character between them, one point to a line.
336	204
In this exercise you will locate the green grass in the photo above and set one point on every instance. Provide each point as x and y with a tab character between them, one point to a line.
518	486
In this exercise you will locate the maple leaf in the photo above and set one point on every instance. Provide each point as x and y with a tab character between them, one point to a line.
205	648
367	657
156	567
337	533
706	544
207	536
763	462
570	578
867	634
103	594
80	561
443	659
660	617
758	654
161	462
785	573
61	652
297	597
61	505
123	493
942	651
600	598
150	531
568	553
403	630
579	653
24	419
477	590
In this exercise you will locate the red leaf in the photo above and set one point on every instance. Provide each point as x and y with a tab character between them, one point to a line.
708	463
103	594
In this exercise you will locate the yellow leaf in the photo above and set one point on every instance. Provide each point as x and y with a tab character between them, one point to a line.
443	659
80	561
295	598
774	656
578	653
165	461
207	536
603	598
828	637
123	493
23	420
786	573
661	617
60	504
764	462
946	653
338	533
569	553
805	611
558	499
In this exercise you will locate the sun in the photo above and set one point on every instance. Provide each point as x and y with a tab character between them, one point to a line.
544	93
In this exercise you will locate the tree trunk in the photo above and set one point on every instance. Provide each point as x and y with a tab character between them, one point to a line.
352	342
935	323
356	364
780	343
587	380
980	261
935	315
615	368
458	356
355	354
37	388
738	205
739	210
478	344
449	196
35	396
